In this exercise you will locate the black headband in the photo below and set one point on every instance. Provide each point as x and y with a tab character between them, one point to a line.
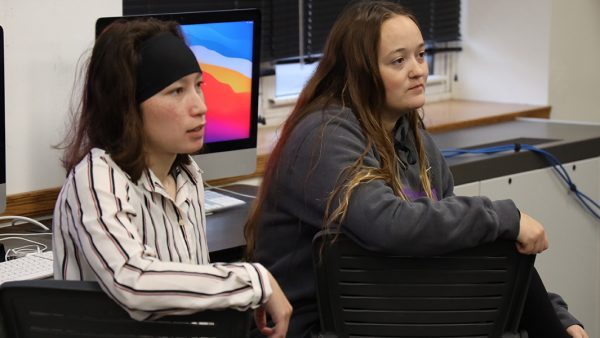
164	59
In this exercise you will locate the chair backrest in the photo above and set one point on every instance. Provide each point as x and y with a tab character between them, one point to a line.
55	308
477	292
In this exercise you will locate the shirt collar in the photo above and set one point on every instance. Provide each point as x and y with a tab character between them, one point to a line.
185	175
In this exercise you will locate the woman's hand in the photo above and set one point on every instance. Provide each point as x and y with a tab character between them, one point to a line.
532	236
577	331
280	310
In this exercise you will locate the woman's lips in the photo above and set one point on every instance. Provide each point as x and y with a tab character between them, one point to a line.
417	87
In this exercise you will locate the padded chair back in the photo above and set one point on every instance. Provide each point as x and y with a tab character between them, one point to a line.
62	309
478	292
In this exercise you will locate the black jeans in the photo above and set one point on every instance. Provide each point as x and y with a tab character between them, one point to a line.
539	318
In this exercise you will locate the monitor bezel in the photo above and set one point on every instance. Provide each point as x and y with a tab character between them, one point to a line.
3	156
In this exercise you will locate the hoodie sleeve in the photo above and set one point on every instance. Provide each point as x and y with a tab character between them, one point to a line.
562	311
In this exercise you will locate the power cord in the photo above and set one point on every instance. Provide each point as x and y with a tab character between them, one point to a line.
589	204
35	247
15	219
212	187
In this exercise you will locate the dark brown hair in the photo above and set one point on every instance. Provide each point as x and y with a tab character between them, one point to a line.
348	76
107	115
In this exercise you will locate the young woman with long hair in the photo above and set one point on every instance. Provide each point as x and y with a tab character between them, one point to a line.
354	155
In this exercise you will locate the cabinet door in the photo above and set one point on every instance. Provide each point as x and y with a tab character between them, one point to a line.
571	267
468	189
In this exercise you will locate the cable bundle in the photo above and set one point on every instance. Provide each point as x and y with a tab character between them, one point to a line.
588	203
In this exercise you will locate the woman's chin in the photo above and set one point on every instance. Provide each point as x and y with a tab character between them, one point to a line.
419	102
193	149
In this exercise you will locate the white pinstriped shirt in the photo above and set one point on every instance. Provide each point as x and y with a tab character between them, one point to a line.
148	252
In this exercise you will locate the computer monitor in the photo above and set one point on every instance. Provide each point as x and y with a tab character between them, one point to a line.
227	46
2	136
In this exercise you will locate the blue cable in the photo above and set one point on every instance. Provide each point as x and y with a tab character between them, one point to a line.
586	201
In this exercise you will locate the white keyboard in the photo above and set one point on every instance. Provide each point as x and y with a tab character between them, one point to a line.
32	266
214	201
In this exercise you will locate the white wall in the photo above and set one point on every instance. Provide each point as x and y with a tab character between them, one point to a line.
533	52
43	41
505	51
574	57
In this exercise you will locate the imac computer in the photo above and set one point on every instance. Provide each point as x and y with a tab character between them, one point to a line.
2	136
227	45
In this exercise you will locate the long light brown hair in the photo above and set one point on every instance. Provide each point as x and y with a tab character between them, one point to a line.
348	76
107	115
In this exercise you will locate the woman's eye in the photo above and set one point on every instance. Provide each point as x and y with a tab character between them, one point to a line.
177	91
398	61
422	54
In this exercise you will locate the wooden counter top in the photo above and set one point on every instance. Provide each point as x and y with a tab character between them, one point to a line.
439	116
457	114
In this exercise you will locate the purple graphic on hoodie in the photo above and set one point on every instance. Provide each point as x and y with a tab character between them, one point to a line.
413	195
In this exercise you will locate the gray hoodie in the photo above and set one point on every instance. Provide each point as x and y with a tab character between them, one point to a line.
313	162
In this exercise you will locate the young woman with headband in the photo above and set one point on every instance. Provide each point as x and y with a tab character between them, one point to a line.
131	212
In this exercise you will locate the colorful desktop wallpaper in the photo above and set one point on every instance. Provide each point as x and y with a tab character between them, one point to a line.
224	52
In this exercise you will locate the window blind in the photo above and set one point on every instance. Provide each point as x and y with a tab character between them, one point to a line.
439	20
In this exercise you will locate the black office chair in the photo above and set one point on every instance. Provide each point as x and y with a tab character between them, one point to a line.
478	292
61	309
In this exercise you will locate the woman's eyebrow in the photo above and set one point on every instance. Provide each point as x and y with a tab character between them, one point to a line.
397	50
402	49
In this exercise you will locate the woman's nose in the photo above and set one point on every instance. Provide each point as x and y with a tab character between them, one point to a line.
199	104
419	68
